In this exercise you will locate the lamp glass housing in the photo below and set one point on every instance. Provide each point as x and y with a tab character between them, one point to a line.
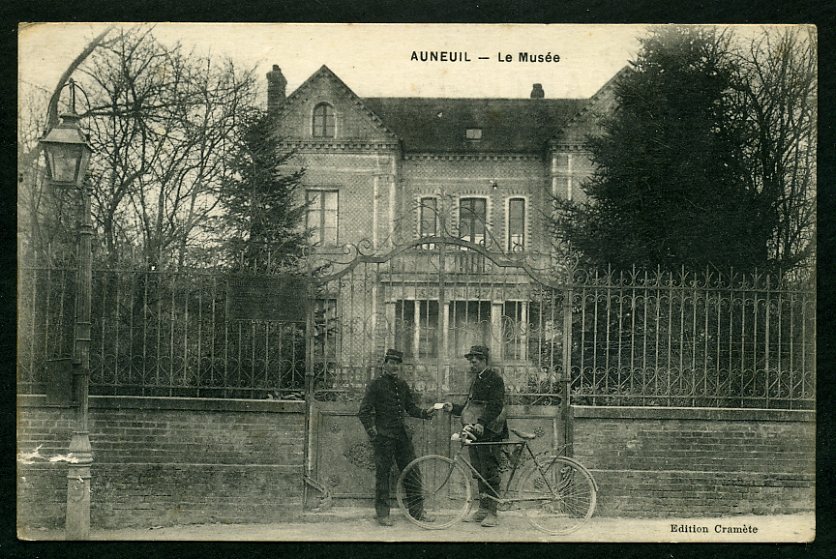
67	152
64	162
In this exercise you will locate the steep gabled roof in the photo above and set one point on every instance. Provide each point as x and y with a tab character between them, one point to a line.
431	125
325	72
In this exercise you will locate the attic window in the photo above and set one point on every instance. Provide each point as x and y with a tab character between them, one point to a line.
323	121
473	133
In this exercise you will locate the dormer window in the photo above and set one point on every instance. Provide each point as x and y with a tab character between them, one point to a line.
323	121
473	133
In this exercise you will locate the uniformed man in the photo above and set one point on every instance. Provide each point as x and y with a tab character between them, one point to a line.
483	414
387	401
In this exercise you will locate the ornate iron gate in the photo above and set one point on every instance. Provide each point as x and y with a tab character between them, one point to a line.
432	299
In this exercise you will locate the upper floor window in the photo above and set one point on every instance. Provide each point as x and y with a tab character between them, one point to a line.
323	121
516	225
428	217
473	133
322	216
473	214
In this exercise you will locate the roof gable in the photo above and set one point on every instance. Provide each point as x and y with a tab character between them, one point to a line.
587	121
355	121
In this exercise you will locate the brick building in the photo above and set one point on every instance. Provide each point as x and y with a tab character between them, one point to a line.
383	173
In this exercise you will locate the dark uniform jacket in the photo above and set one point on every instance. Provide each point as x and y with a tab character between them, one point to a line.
488	388
387	401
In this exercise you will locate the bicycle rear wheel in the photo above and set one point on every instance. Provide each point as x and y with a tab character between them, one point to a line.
562	495
434	492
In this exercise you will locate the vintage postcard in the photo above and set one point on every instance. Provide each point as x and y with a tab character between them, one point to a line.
390	282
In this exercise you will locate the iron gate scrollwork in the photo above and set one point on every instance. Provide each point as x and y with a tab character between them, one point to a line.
431	298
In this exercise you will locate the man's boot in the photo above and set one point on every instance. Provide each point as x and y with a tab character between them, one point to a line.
490	519
478	515
382	515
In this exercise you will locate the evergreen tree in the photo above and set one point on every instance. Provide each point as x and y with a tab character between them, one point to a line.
263	207
669	188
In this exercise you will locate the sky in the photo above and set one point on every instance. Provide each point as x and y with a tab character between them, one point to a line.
374	59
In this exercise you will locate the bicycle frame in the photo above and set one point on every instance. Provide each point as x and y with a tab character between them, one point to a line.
502	498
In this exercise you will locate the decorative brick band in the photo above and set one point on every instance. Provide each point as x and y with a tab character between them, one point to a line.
339	146
578	148
472	157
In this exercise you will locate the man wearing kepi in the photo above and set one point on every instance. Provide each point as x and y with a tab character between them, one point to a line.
483	415
387	401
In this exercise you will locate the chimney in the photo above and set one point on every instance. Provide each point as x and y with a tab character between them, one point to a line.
537	91
275	88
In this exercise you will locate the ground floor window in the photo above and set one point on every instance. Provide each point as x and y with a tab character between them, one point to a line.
326	328
514	328
421	329
416	327
470	324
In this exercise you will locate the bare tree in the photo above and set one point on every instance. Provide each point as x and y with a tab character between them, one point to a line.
45	214
777	91
159	118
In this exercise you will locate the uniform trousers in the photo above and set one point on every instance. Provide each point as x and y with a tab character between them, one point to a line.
400	450
486	461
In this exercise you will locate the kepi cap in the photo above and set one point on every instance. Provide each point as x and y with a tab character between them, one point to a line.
393	355
479	351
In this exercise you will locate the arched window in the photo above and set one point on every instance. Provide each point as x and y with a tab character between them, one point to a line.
323	121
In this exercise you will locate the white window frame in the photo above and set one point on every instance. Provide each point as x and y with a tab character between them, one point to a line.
313	116
525	235
487	221
320	227
417	316
521	339
419	232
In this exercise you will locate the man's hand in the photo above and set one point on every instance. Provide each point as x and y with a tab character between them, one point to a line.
448	407
478	428
372	434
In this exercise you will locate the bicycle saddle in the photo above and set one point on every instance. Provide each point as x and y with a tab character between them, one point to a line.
522	434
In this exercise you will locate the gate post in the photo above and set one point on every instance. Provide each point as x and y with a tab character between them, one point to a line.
309	383
565	408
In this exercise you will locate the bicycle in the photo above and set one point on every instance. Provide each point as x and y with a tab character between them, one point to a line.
557	494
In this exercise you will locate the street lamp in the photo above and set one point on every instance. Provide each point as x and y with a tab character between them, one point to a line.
67	155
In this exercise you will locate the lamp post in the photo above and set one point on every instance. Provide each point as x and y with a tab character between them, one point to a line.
67	156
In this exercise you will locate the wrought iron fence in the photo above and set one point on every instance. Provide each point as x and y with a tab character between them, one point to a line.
161	333
682	339
637	339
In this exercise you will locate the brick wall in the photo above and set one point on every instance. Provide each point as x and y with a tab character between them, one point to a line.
167	461
668	461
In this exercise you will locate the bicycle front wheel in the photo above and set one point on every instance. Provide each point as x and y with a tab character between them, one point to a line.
434	492
559	497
